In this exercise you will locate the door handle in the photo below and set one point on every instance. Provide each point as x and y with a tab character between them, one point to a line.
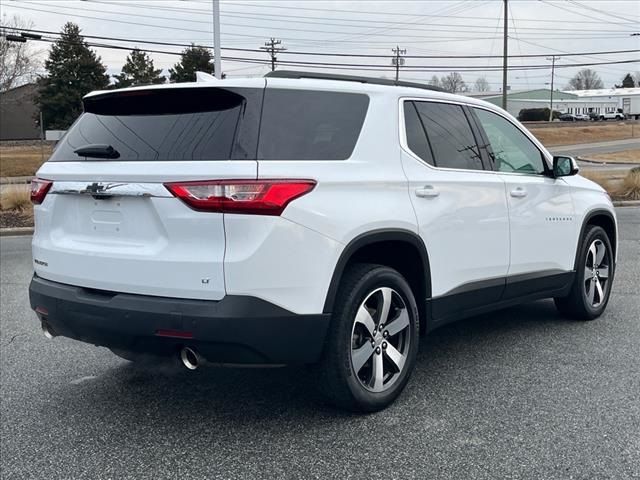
518	192
428	191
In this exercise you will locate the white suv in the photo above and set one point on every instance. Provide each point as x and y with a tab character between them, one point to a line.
328	221
612	116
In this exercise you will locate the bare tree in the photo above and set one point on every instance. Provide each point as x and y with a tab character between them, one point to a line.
453	83
435	81
637	77
585	79
481	85
19	62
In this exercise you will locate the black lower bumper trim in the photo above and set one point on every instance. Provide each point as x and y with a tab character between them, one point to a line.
236	329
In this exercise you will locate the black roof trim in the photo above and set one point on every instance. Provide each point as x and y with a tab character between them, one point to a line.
349	78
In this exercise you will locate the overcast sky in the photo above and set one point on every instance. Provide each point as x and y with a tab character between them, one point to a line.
372	27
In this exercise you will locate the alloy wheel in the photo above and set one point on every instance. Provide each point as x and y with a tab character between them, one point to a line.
380	339
596	273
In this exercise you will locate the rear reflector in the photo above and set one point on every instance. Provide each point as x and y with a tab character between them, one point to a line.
39	189
174	333
256	197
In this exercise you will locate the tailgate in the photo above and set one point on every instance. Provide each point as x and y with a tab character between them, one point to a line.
108	222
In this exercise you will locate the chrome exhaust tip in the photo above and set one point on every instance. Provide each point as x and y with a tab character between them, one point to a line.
190	358
47	330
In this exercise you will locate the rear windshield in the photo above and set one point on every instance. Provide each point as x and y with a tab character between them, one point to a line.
216	124
168	124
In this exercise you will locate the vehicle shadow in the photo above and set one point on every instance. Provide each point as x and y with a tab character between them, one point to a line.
214	397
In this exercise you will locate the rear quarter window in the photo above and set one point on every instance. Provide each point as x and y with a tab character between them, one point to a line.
310	125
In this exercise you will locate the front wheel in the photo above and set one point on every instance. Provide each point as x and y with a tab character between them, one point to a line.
594	275
372	343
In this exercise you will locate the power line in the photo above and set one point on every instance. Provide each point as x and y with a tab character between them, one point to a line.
352	55
368	22
358	66
378	32
624	24
603	12
602	35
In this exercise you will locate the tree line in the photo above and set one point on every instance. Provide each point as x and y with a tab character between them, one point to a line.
74	69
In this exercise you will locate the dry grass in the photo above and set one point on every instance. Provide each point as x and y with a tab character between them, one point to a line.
626	156
603	178
564	135
15	197
619	186
17	161
630	188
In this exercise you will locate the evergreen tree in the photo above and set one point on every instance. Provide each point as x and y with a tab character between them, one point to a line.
194	59
73	71
138	70
627	82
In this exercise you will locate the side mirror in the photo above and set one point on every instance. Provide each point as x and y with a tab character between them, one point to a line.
564	166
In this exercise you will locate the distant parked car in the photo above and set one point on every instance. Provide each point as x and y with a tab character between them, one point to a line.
568	117
583	117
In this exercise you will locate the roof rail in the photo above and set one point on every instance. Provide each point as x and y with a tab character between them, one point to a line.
349	78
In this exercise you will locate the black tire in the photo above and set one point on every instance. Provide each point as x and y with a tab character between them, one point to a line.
339	382
577	304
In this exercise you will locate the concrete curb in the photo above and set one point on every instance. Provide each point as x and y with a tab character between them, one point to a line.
601	162
14	232
626	203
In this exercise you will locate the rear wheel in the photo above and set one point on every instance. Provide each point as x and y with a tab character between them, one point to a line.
372	344
594	274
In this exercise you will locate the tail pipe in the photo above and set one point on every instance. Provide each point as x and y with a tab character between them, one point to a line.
47	330
190	358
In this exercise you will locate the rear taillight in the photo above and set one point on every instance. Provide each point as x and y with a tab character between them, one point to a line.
39	189
257	197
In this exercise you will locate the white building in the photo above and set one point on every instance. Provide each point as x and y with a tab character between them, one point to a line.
627	99
563	101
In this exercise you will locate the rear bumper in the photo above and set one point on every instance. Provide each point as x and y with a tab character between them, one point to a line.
236	329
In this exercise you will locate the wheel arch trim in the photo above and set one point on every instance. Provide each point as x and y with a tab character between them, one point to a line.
598	212
369	238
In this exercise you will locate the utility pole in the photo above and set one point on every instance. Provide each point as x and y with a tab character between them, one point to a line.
272	48
41	137
553	69
505	46
398	61
217	60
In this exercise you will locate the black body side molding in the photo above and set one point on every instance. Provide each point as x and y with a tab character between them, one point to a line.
369	238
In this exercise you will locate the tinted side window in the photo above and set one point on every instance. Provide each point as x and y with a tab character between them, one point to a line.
509	148
310	125
416	136
450	135
168	124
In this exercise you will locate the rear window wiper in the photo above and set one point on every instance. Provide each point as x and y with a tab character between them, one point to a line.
97	151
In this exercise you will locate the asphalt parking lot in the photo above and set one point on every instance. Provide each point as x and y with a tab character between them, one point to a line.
521	393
